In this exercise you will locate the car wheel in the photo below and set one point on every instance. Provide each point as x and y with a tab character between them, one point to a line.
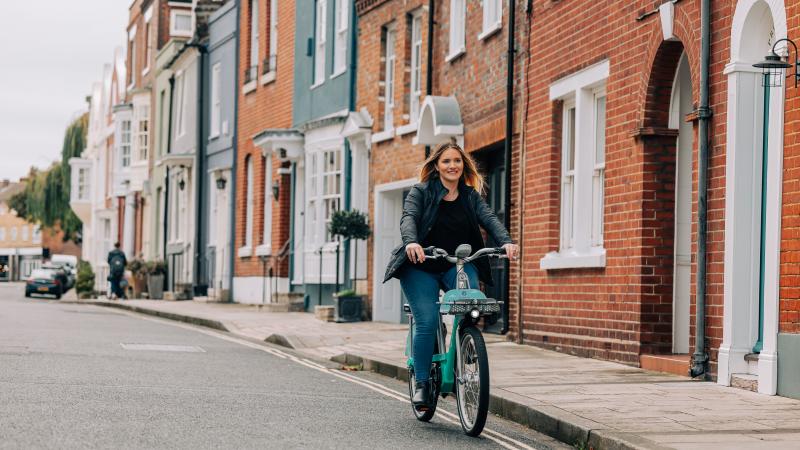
27	294
58	296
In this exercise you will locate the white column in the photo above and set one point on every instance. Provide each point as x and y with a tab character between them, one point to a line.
129	226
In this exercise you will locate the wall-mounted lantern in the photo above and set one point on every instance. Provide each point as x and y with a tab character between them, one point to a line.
773	65
276	190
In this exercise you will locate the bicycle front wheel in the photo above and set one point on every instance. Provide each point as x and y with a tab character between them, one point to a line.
472	379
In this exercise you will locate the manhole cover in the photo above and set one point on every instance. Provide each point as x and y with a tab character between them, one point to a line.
162	348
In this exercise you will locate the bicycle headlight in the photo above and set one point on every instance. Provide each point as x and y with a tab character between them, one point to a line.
475	313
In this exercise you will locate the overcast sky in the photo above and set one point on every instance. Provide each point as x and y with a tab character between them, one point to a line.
51	51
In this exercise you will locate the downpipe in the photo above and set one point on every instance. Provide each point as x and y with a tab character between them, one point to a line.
700	357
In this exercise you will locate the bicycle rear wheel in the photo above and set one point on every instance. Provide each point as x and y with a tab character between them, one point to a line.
472	381
426	415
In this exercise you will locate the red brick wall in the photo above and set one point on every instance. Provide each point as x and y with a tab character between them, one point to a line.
268	106
477	79
624	309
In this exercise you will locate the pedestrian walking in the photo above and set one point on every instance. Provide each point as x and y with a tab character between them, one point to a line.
117	263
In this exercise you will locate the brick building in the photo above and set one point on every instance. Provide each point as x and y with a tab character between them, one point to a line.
463	97
263	177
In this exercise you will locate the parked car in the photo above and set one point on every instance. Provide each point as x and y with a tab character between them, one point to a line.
45	281
63	274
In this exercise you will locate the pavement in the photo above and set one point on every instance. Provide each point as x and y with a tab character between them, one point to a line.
589	403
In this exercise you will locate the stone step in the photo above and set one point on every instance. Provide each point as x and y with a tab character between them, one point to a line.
282	307
677	364
289	297
745	381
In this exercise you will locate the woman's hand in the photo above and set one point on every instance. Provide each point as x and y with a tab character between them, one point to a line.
512	250
415	253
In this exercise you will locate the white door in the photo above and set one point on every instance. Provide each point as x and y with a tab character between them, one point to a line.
221	238
387	304
681	106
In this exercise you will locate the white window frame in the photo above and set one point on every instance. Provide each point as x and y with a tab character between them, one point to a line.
266	246
13	234
320	31
254	33
173	20
322	204
389	75
142	131
273	34
340	45
458	15
581	231
125	141
24	233
2	233
148	40
415	88
492	18
216	104
37	234
132	47
180	120
83	185
247	248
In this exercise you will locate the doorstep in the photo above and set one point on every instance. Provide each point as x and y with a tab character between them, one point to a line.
675	363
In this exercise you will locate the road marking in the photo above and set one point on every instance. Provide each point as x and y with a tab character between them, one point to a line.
497	437
162	348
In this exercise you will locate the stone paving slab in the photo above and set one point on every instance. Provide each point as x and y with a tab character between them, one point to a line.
592	403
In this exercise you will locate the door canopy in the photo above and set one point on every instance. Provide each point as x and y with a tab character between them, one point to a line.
439	121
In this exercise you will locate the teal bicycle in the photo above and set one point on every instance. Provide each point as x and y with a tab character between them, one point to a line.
462	366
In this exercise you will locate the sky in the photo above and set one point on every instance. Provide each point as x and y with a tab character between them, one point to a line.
51	51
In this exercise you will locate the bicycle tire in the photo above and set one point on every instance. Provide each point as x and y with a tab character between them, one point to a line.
422	416
473	403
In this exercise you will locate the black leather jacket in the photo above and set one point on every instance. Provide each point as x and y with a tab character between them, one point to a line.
419	215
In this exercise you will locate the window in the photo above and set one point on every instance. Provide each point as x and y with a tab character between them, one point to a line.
132	57
148	39
215	100
416	67
340	47
37	234
331	187
458	12
2	233
24	230
253	66
492	17
142	131
181	23
83	193
248	230
388	79
319	42
180	82
161	122
273	37
324	193
583	136
13	233
125	143
267	238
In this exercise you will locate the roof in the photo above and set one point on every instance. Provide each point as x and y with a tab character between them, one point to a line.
8	191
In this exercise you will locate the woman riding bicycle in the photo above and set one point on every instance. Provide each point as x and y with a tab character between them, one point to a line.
443	210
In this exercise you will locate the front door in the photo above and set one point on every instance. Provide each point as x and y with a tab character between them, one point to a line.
492	165
388	297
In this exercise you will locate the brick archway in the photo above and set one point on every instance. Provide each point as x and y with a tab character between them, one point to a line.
658	145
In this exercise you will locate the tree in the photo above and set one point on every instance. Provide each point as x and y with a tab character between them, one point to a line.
350	224
45	199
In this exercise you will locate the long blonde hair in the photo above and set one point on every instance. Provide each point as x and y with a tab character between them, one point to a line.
470	175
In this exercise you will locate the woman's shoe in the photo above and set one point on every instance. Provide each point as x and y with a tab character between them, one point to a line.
422	394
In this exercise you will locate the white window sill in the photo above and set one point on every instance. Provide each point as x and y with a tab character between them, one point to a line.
249	87
490	31
268	77
570	259
316	85
338	72
146	71
383	136
264	250
455	54
213	136
407	128
245	252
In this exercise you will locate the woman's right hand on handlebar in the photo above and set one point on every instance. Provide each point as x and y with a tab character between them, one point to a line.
415	253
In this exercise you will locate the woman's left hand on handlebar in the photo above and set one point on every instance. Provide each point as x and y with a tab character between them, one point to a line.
512	250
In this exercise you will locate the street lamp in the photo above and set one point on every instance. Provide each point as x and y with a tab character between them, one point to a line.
773	65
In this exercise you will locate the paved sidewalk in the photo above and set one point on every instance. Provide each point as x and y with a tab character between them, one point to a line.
586	402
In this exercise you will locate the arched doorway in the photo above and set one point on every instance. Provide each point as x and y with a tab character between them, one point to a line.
752	201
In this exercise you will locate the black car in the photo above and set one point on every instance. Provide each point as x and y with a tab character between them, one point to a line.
45	281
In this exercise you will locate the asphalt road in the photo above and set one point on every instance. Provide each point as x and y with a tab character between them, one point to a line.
76	376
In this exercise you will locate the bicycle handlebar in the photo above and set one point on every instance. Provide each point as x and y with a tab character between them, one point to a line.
438	253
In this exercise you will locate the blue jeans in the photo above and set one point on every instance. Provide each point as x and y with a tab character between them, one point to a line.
422	290
116	286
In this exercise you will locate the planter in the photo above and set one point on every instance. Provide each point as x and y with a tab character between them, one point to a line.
139	284
348	308
155	286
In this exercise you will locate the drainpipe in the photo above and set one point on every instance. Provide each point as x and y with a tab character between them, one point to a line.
235	164
700	358
429	69
348	154
509	135
166	176
199	289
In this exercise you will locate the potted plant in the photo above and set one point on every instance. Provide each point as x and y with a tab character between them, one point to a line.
156	270
351	224
138	270
84	286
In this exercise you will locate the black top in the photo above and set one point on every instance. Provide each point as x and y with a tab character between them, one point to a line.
450	230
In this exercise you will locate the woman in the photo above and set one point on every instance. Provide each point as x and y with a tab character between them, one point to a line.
444	210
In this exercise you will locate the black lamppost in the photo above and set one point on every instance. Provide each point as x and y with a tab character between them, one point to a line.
773	65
